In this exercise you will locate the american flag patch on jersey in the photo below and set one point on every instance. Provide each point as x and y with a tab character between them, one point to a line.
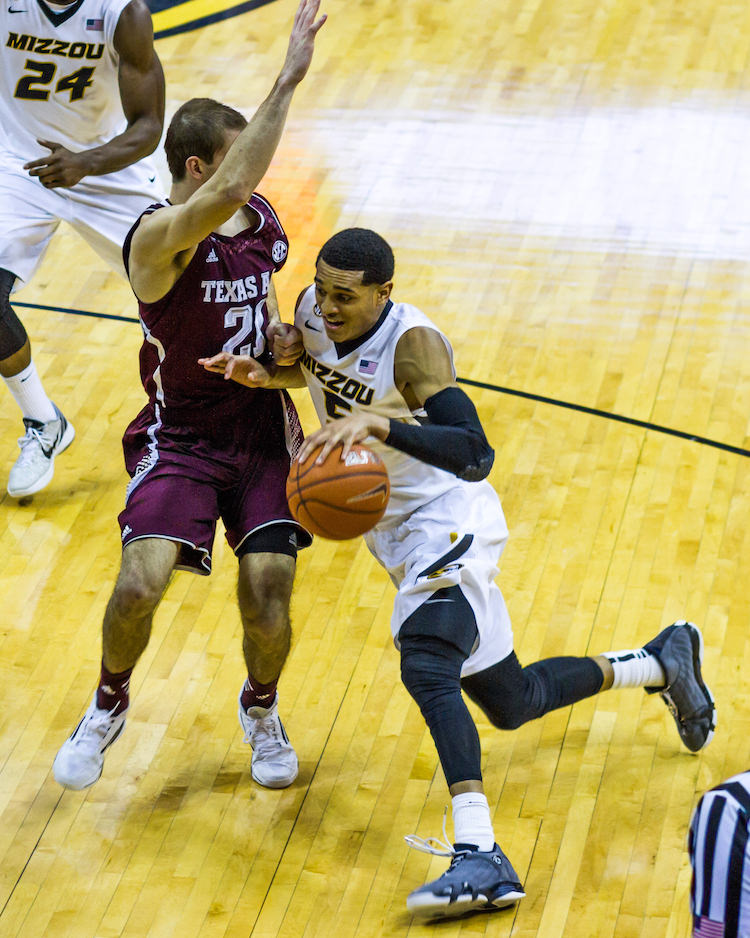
366	367
705	928
96	26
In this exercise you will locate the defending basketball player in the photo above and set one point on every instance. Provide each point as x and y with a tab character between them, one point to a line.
81	107
380	371
201	265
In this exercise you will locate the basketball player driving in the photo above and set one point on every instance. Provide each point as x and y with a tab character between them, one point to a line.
440	540
201	265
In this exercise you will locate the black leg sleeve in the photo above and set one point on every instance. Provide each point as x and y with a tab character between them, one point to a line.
511	695
12	333
431	672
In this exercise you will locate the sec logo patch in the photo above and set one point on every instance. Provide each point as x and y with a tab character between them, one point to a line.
278	251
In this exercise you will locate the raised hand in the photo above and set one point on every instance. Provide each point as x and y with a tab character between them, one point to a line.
302	41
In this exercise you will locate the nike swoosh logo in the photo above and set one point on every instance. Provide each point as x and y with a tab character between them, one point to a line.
152	178
11	10
311	327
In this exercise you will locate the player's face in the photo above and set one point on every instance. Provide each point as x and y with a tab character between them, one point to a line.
347	306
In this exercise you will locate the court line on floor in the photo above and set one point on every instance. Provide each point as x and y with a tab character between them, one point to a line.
621	418
514	392
171	18
31	854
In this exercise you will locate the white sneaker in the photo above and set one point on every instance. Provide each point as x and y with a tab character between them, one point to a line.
80	759
39	445
274	763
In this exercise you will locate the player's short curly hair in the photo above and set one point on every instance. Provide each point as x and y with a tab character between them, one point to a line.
198	128
360	249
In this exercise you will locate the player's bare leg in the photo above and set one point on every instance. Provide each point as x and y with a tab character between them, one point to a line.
144	573
264	592
146	567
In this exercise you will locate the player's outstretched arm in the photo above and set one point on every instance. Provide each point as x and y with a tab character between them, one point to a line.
141	82
172	231
246	370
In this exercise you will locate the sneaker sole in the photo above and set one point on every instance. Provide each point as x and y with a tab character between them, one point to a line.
274	782
41	483
695	632
431	906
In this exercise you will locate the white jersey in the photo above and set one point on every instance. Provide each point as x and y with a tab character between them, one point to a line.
438	531
58	76
363	380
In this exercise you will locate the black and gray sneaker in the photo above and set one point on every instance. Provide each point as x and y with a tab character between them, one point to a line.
476	879
679	650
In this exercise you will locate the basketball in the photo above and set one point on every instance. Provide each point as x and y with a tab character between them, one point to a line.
339	499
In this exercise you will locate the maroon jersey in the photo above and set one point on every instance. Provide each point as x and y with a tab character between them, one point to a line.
218	304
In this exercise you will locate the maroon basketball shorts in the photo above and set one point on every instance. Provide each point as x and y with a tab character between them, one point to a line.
183	481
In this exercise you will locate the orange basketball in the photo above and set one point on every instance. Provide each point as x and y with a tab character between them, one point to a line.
339	499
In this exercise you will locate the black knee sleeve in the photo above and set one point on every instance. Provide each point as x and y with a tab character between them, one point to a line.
431	672
12	333
511	695
435	641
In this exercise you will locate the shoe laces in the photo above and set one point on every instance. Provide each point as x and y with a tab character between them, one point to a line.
33	437
94	727
265	734
434	845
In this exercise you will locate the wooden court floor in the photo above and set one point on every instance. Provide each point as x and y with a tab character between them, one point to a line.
564	185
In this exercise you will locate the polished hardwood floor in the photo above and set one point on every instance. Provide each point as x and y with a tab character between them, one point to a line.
563	186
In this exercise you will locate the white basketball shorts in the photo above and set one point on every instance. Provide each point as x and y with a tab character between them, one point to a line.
454	540
100	208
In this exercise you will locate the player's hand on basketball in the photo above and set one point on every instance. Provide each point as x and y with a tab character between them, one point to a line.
61	168
344	432
302	41
285	342
240	368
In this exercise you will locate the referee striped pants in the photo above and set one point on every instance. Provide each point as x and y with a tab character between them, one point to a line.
720	856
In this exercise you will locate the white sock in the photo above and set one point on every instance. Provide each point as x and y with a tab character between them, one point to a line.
26	388
471	820
636	668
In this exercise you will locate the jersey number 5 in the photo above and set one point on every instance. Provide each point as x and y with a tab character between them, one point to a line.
75	83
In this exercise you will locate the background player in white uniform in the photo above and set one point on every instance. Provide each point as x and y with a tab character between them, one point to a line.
374	368
81	105
719	849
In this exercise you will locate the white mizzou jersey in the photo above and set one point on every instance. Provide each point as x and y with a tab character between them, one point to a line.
58	75
362	380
